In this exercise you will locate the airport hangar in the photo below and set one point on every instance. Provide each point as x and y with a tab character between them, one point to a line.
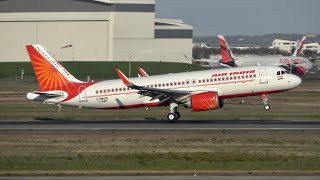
92	30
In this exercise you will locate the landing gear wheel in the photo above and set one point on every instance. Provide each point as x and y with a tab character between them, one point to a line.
178	115
172	117
267	107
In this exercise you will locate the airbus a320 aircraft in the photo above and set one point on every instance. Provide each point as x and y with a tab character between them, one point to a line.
297	65
200	91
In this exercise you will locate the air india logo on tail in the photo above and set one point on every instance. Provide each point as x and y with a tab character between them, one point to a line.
51	75
48	76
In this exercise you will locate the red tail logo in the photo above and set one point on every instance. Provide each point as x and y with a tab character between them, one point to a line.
50	74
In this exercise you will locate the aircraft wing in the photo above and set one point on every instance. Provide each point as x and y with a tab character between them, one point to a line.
155	93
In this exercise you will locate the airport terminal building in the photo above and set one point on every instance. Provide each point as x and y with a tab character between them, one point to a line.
92	30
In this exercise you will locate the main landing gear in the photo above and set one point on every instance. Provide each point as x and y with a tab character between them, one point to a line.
174	115
265	102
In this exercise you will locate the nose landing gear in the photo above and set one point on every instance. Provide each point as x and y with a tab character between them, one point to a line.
267	107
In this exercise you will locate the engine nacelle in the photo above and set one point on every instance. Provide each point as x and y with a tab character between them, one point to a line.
300	71
204	101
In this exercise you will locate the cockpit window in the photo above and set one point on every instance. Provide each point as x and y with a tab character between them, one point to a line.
282	72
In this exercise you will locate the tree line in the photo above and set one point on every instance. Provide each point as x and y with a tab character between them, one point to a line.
207	53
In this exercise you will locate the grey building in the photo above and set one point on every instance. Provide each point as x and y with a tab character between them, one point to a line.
92	30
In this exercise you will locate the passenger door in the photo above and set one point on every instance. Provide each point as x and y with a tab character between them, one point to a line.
263	75
83	94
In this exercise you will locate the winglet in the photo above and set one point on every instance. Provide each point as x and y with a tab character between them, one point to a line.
123	77
143	72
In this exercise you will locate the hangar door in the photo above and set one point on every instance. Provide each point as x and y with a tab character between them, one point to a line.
75	40
14	36
65	40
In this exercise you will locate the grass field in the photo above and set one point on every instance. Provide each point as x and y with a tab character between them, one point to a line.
162	151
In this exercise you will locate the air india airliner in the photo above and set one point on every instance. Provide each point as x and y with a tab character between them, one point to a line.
199	90
296	64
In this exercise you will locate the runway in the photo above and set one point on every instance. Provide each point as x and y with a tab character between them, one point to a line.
165	178
49	124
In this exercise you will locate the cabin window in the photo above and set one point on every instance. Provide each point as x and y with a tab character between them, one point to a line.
219	79
199	81
163	85
182	82
159	85
97	92
167	84
105	91
254	76
203	80
175	83
179	83
222	79
100	91
247	76
211	80
171	84
215	80
227	78
250	76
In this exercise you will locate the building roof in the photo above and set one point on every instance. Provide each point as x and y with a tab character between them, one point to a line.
31	6
171	24
127	1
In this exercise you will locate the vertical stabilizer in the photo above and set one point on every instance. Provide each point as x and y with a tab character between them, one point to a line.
51	75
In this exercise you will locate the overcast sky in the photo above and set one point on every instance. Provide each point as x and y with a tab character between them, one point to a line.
244	17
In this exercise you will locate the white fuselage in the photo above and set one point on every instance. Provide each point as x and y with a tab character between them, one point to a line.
229	83
274	61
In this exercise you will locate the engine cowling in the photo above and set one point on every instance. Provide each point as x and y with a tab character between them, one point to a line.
300	71
297	70
204	101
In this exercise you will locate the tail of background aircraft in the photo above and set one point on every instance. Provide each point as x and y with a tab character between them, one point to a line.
50	73
143	72
298	51
227	55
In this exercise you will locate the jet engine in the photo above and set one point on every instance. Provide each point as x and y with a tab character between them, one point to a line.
204	101
299	70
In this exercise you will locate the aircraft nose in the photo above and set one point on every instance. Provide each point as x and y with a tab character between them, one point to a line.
296	81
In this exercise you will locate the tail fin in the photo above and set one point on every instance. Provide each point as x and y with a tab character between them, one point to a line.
298	51
225	50
50	73
143	72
